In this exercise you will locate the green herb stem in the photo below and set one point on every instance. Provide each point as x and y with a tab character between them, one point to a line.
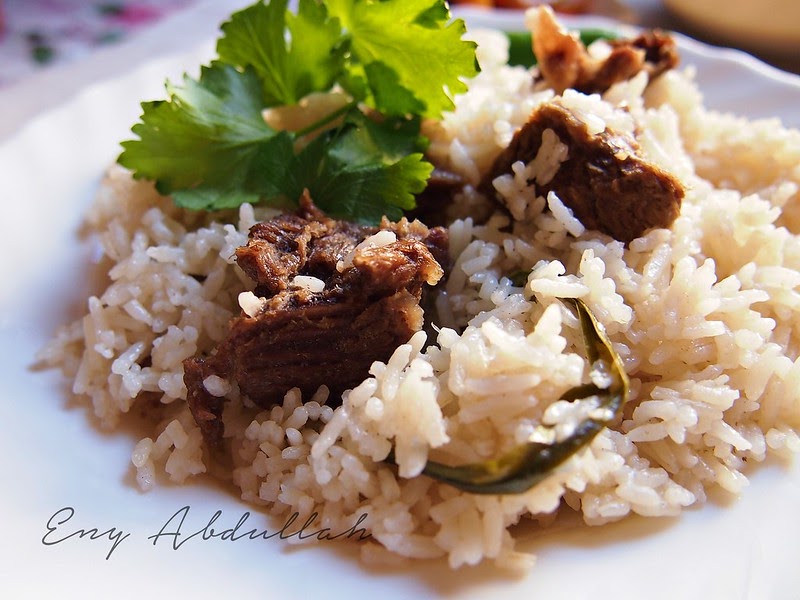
327	119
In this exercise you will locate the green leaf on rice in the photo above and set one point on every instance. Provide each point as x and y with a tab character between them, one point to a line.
209	146
523	467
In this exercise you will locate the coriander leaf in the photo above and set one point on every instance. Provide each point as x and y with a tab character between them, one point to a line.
367	193
209	134
266	174
437	13
291	66
209	146
211	199
363	170
367	141
389	93
413	60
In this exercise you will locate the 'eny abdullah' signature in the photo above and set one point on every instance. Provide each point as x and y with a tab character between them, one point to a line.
176	531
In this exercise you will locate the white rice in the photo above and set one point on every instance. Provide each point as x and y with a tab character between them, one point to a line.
705	315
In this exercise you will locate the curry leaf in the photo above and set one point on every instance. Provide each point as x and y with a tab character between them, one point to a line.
528	464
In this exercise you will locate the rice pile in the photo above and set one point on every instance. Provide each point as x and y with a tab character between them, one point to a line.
705	317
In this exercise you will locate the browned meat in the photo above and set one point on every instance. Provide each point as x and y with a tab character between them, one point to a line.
436	198
295	335
604	180
565	63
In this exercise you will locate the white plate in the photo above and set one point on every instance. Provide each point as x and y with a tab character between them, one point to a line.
53	457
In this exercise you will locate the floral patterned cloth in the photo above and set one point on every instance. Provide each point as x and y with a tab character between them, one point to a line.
37	33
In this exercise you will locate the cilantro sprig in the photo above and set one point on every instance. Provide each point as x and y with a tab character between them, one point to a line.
209	146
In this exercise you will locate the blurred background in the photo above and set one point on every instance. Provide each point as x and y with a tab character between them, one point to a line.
37	34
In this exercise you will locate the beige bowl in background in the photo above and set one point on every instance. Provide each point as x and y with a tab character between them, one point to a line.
771	26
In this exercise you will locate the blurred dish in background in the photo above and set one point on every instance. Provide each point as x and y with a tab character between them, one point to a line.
771	26
609	8
574	7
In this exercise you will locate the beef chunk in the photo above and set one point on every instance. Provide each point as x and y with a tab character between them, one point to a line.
565	63
604	180
437	197
331	297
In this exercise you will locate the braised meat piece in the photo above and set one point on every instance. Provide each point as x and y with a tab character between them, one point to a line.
331	297
603	179
564	61
437	197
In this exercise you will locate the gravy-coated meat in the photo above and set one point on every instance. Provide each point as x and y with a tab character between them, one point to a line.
604	180
564	61
331	297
